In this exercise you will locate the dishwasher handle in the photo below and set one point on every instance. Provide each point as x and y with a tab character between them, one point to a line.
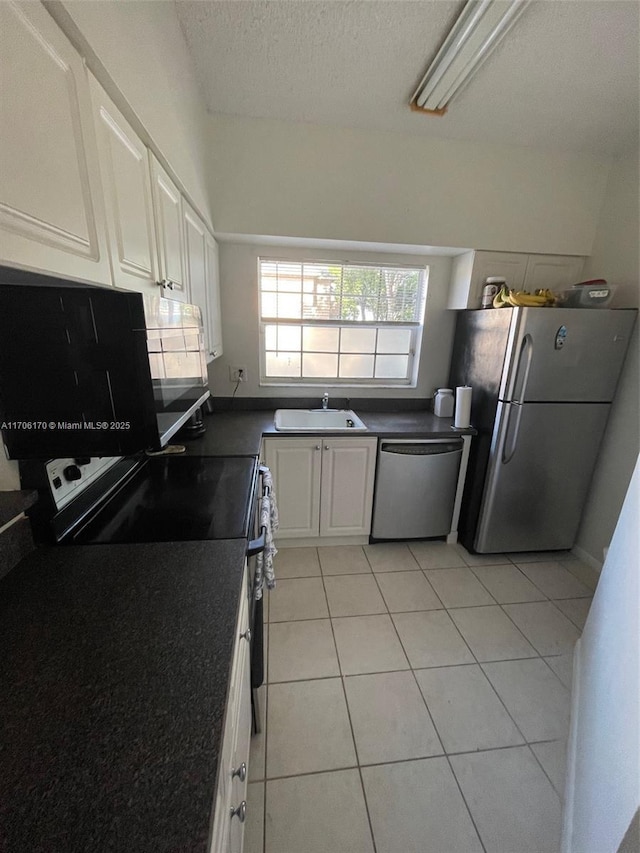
419	448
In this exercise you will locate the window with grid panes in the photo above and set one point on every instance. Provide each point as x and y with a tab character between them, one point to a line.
352	324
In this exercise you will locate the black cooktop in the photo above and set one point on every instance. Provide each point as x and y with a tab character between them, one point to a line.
178	499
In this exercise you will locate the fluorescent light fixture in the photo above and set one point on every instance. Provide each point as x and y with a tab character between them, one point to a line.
478	30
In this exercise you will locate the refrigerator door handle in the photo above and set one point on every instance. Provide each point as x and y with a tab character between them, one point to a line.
522	370
511	430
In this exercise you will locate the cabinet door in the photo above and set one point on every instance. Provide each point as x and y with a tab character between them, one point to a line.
228	830
348	471
167	207
51	210
213	296
553	271
196	264
242	737
124	166
296	464
506	264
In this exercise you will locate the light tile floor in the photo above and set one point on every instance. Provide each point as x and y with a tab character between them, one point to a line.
417	700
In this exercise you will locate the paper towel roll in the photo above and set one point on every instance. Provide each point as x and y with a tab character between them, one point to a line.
463	407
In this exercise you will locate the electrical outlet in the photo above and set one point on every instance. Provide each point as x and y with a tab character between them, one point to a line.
237	374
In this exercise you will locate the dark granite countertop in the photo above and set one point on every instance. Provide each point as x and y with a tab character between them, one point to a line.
114	666
240	433
15	502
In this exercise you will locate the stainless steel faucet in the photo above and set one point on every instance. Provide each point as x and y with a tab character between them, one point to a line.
325	400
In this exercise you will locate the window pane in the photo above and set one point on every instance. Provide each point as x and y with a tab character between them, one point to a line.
321	305
271	337
394	340
318	365
356	366
392	366
317	339
289	306
289	337
269	305
358	340
282	364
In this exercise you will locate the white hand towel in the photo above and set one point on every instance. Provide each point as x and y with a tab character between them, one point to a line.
268	520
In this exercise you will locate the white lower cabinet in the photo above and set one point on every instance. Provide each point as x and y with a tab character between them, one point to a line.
231	796
324	486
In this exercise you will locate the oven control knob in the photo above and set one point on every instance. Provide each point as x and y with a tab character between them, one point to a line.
72	472
82	460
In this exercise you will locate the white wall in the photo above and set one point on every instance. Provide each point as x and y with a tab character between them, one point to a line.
603	783
141	48
300	180
239	297
615	257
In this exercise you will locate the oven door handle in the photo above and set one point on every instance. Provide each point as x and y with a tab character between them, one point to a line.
256	546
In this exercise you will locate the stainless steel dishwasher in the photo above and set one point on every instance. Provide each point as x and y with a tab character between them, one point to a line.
416	485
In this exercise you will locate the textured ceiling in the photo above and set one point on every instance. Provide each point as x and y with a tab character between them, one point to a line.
566	76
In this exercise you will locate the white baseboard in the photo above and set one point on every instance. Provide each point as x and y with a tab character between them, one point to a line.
317	541
589	571
570	783
586	557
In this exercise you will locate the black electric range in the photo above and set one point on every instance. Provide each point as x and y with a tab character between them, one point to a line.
176	499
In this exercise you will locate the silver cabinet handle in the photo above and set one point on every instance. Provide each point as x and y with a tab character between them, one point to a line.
326	447
246	635
240	812
240	772
317	447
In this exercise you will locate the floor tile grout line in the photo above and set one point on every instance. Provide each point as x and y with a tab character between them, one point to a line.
479	664
541	765
522	634
466	804
411	760
568	689
531	643
353	736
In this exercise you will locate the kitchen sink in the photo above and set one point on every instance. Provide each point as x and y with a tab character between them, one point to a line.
318	420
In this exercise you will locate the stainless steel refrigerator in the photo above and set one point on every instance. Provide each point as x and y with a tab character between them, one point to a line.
543	380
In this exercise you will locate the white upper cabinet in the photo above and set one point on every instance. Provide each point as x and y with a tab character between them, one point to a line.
522	272
213	296
196	263
553	271
201	255
167	206
126	180
51	215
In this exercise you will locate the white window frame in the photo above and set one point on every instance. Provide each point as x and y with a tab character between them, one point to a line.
416	329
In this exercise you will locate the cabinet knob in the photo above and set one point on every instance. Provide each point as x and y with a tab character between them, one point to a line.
317	447
240	772
246	635
326	447
240	812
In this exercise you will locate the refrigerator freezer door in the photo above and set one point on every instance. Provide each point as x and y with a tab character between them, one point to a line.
542	457
565	354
